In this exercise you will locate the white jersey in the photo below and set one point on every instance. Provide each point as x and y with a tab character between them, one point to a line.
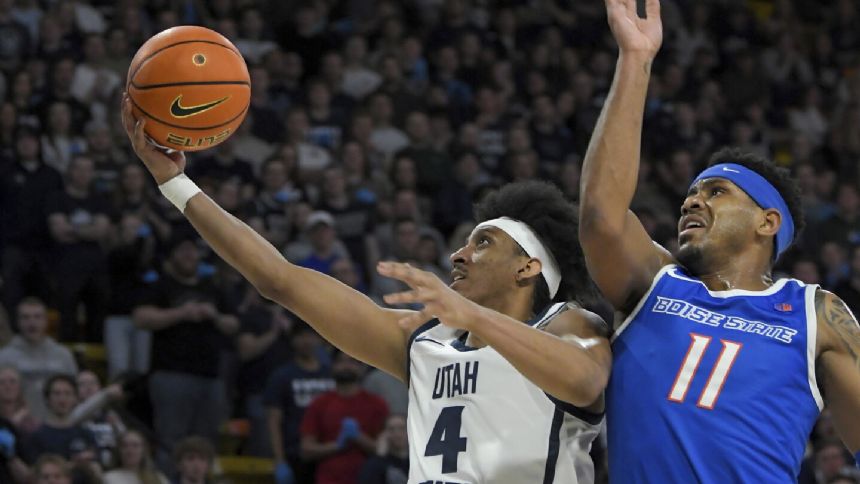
473	418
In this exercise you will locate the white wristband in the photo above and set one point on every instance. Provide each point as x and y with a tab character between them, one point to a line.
179	190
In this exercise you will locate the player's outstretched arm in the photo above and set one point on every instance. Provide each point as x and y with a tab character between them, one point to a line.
838	365
343	316
620	255
569	360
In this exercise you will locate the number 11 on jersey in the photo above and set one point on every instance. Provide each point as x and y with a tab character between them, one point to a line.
719	373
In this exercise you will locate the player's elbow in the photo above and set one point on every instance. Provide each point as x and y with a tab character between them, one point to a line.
585	389
596	223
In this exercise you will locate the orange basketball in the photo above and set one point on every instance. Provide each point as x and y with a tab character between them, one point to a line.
192	86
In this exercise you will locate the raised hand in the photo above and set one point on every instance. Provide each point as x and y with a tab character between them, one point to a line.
439	300
161	165
633	33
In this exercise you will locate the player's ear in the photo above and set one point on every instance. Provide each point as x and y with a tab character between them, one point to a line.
530	268
770	222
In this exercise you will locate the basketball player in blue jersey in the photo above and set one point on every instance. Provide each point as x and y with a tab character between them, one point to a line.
489	401
719	372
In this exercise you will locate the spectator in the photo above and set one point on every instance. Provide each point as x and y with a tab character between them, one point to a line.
352	213
831	462
394	392
60	433
194	457
105	424
391	465
843	227
222	164
13	470
60	143
265	120
15	41
252	41
109	161
278	193
432	166
130	263
52	469
135	462
362	183
263	347
134	194
339	427
327	119
288	393
189	324
24	189
312	158
358	79
386	137
79	221
13	407
849	289
94	82
323	246
453	203
36	355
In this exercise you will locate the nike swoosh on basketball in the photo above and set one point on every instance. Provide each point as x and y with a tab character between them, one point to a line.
180	111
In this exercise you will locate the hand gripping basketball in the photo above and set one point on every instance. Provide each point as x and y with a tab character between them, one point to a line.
161	165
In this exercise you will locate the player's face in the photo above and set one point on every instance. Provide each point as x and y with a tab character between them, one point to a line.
717	219
486	267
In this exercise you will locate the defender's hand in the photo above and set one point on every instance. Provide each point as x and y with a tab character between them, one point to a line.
633	33
161	165
439	300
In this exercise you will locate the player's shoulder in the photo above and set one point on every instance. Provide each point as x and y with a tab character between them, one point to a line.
837	325
577	321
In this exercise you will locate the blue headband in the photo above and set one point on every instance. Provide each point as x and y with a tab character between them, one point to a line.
760	190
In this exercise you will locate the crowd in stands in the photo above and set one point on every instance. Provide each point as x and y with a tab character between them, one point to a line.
373	127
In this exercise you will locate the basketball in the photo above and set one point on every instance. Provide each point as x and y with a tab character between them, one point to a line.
191	85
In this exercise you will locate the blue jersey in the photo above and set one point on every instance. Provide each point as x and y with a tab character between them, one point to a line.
713	386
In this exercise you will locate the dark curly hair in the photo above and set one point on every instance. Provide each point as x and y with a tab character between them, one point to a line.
779	177
543	207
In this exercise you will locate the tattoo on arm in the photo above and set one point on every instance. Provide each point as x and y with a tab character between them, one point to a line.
836	315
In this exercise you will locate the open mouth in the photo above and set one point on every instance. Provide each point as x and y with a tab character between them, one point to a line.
691	224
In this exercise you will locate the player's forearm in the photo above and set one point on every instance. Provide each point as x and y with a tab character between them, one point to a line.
611	167
564	369
236	243
336	311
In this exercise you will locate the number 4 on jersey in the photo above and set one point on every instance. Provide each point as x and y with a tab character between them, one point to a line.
445	439
709	395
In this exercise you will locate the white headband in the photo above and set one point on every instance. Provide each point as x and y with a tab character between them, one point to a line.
529	241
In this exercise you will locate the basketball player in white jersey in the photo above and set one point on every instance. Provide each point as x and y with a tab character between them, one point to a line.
506	371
